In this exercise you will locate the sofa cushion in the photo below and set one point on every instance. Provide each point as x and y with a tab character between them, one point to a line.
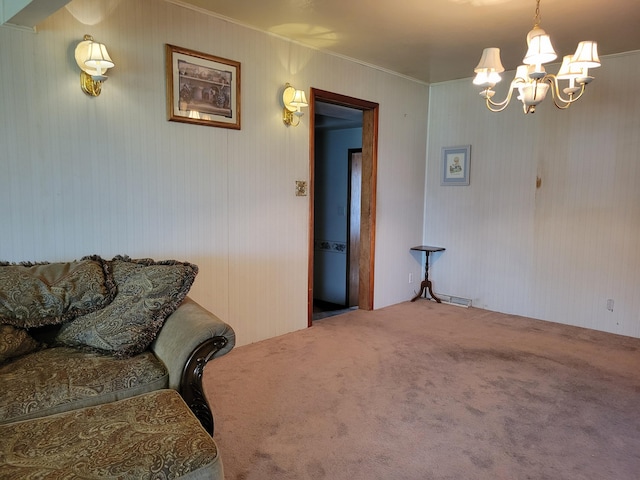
58	379
147	437
148	292
15	342
37	294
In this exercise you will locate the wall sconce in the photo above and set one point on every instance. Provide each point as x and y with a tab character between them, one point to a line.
293	100
94	61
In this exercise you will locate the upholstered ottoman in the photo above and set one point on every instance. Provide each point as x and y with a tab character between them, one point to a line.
150	436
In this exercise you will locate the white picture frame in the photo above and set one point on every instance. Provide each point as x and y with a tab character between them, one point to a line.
455	165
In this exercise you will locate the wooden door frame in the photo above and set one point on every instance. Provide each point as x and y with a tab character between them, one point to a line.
370	112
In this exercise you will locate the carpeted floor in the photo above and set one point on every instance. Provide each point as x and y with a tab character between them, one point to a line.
429	391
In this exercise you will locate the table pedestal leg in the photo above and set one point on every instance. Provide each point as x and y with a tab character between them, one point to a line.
425	285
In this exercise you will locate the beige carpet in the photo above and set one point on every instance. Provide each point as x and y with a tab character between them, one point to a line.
428	391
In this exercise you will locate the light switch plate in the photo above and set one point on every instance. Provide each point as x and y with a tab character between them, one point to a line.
301	188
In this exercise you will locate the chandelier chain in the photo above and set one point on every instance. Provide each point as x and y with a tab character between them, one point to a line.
536	18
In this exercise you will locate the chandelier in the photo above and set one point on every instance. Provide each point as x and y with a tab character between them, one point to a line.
531	80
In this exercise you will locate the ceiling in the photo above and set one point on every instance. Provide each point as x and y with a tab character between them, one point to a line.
435	40
427	40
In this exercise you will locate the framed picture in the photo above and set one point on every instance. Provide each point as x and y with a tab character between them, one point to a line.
455	165
202	89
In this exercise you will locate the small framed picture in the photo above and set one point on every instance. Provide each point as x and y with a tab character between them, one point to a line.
202	89
455	165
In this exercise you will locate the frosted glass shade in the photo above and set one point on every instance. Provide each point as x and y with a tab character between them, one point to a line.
299	99
586	55
490	61
522	72
540	49
568	69
98	58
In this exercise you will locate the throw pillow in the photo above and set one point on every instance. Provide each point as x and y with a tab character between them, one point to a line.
148	292
38	294
15	342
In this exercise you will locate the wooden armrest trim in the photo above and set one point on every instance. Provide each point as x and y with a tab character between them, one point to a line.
191	387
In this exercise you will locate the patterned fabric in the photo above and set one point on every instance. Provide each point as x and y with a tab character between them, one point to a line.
59	379
152	436
148	292
15	342
33	295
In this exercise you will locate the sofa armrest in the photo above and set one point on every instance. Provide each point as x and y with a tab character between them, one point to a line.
190	337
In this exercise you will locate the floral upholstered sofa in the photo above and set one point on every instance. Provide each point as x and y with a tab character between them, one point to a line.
84	335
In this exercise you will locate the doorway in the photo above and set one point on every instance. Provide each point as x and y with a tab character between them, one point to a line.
360	206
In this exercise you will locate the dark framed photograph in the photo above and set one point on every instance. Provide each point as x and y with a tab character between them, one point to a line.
455	165
202	89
